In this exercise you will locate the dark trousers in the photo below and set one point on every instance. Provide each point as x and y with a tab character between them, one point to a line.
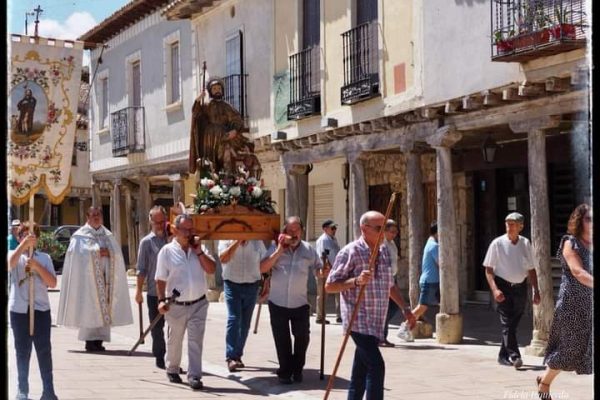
368	368
158	334
511	311
282	318
43	349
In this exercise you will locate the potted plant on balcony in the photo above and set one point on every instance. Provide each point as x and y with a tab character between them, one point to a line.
532	25
563	27
504	43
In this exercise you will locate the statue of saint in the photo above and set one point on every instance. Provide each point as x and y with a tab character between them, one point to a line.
216	137
26	107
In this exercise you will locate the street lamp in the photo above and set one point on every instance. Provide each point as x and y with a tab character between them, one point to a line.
489	149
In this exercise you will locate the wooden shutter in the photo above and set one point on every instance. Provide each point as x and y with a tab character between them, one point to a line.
322	208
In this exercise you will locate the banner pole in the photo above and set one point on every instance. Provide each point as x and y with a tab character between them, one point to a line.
30	273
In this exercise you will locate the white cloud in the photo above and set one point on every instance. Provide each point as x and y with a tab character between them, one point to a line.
74	26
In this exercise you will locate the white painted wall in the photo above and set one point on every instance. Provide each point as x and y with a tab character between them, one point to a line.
166	129
456	50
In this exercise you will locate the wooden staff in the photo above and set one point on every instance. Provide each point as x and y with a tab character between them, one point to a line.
374	254
30	272
326	266
203	83
141	323
168	301
255	331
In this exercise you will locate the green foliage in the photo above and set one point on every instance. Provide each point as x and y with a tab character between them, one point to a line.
224	189
48	244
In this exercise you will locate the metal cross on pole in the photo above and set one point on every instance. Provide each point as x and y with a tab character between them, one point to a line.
37	10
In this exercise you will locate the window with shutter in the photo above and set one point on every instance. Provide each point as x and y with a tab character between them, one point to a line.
321	208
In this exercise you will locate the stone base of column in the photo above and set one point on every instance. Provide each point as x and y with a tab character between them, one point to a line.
423	330
449	328
538	345
213	295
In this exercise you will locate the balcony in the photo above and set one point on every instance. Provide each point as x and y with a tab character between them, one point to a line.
361	63
305	84
236	94
524	30
127	128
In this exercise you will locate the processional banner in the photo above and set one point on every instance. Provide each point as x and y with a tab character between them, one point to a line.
44	81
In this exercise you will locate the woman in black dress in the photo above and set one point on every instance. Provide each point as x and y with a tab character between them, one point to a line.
570	343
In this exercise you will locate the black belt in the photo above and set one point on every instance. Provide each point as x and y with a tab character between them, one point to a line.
512	284
189	303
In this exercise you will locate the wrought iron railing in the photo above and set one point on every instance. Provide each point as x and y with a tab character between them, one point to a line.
127	128
305	83
361	63
236	93
526	29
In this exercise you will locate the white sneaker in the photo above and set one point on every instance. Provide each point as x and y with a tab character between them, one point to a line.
404	333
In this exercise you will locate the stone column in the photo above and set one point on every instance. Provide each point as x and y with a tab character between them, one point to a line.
296	194
449	324
416	216
96	198
359	199
115	211
131	243
178	188
144	206
82	218
540	226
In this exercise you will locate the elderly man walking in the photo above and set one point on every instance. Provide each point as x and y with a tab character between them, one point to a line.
508	263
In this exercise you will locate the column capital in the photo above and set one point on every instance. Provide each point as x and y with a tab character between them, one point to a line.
354	156
446	136
539	123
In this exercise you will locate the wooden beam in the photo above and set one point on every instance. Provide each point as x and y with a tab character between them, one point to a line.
490	98
555	84
531	90
452	107
510	94
430	112
571	102
470	103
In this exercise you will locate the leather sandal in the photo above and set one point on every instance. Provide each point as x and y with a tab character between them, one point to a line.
542	395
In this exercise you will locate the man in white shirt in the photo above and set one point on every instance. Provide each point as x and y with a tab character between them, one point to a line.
181	265
508	263
240	260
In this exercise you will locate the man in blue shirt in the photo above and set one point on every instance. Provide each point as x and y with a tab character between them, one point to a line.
12	236
327	241
429	283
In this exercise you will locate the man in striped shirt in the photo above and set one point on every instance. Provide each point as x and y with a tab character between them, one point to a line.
348	274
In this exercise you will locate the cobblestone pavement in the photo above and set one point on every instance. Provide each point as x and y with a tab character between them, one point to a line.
422	370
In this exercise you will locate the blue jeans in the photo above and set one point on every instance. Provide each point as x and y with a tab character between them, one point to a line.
240	299
368	368
23	343
158	335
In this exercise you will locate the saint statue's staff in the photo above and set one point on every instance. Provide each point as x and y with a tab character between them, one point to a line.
372	268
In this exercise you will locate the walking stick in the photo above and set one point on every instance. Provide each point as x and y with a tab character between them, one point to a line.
326	266
30	272
141	323
374	254
168	301
255	331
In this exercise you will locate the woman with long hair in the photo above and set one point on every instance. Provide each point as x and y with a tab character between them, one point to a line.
570	343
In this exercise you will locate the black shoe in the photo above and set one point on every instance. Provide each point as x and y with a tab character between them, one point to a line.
196	383
90	346
504	361
240	364
160	363
174	378
517	362
99	346
297	377
320	321
285	381
232	365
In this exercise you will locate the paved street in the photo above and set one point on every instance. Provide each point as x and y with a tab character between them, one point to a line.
423	370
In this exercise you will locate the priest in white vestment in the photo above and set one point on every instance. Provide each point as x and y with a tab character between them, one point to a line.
94	295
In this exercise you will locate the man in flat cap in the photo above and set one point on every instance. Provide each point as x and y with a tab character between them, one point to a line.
327	242
508	263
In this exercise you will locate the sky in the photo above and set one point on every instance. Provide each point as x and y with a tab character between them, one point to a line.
60	19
